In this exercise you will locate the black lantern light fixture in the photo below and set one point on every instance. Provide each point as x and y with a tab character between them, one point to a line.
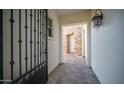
97	19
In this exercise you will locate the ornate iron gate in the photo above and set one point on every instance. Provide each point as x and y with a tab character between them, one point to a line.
35	68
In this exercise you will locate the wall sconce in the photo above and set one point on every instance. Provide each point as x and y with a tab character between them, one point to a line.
97	19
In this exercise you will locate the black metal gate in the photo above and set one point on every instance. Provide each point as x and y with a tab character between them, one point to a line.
35	69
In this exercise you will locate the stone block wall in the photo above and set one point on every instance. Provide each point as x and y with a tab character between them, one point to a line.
78	46
78	43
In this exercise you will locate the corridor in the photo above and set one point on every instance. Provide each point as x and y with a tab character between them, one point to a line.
33	44
73	71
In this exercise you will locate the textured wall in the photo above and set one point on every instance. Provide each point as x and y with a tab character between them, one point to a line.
77	33
78	42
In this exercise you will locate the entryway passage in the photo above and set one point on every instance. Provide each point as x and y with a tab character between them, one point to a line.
73	71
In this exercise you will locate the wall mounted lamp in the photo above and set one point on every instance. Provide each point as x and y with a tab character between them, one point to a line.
97	19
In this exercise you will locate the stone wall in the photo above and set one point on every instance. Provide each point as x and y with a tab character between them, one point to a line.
78	46
78	42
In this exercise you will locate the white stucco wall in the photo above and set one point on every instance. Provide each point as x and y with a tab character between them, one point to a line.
108	48
81	17
53	44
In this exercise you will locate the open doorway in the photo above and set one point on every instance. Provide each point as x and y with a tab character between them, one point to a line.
73	43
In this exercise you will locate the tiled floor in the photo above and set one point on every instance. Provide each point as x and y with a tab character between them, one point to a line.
73	71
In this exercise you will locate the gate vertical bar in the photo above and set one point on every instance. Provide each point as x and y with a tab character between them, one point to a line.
26	27
46	49
38	37
1	44
42	36
12	61
31	42
20	41
34	38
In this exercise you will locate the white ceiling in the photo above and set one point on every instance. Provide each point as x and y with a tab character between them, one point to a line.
62	12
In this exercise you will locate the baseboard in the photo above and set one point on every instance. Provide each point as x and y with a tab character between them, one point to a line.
54	69
95	74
